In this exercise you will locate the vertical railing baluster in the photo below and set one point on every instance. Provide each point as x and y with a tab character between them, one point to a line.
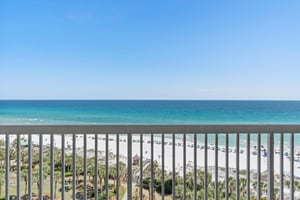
52	166
184	166
118	167
30	166
106	167
205	167
292	167
216	165
270	163
195	166
18	167
7	167
96	166
173	167
163	167
248	166
237	166
281	166
258	165
141	166
129	162
74	167
84	167
226	167
41	172
63	164
152	168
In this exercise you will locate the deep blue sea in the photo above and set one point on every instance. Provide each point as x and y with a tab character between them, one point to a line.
66	112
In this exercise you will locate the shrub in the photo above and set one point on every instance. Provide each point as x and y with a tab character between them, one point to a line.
68	174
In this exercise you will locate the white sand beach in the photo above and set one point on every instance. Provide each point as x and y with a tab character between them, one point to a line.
168	152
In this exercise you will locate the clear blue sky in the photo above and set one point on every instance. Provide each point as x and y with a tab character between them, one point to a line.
139	49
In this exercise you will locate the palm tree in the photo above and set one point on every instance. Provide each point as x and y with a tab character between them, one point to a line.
57	158
24	156
243	183
190	180
101	175
200	178
68	162
122	172
57	176
200	194
287	183
36	179
24	176
297	185
232	186
91	168
179	191
276	193
35	157
113	173
156	169
12	154
2	155
79	168
2	178
189	194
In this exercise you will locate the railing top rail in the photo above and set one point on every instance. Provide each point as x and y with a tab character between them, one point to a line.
133	129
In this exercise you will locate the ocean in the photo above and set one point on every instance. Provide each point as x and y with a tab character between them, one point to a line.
68	112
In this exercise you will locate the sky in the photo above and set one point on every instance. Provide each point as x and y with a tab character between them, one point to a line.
138	49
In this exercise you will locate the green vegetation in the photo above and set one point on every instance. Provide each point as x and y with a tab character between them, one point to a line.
200	186
57	174
112	186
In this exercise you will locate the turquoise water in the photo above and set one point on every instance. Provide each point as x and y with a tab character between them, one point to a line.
149	112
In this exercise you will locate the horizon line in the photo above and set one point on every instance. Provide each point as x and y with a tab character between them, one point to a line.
78	99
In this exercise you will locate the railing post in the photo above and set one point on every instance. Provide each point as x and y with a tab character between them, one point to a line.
106	167
96	166
141	166
270	166
41	168
226	166
163	166
74	167
117	166
129	162
248	167
184	165
292	186
237	166
258	165
30	166
18	167
85	166
63	170
205	168
7	159
173	167
152	168
52	166
216	166
281	166
195	166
